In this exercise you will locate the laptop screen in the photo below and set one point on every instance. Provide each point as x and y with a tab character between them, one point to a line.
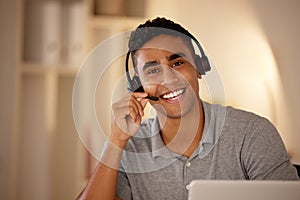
244	190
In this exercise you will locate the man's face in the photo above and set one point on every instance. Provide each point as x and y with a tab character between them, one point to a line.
167	70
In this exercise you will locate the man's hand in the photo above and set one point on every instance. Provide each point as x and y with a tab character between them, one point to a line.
127	115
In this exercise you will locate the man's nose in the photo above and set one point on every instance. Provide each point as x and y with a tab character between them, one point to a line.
169	75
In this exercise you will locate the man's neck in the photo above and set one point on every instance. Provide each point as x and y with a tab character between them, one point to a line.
182	135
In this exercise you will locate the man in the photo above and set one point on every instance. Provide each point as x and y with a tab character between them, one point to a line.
189	139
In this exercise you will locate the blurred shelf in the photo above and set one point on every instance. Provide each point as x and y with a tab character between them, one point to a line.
31	68
96	21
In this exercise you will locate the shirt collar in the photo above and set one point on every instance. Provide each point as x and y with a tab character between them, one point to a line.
214	121
215	116
158	146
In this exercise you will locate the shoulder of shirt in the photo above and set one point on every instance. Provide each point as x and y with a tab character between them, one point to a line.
240	117
234	112
244	115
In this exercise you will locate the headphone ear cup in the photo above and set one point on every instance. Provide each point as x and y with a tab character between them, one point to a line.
136	84
205	63
199	65
202	64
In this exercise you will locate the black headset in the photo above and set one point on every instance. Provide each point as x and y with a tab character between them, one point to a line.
202	64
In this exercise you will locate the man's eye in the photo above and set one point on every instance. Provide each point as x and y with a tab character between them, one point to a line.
176	64
153	71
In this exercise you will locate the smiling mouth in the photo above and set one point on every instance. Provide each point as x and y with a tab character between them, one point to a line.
172	95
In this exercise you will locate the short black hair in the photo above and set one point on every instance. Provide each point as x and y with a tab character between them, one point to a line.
152	28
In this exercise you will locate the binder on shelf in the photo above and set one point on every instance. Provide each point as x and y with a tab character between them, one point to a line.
110	7
132	8
42	32
135	8
73	32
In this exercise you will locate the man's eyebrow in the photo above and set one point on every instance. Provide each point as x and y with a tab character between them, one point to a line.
149	64
169	58
176	55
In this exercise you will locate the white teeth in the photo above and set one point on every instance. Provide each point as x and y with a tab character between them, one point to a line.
173	94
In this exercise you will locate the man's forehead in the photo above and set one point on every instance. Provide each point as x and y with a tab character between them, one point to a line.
168	43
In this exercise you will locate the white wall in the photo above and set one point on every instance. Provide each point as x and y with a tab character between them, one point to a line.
280	22
251	42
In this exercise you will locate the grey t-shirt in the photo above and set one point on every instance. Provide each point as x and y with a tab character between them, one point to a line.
236	145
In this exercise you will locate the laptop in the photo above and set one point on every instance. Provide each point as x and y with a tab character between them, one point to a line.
244	190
